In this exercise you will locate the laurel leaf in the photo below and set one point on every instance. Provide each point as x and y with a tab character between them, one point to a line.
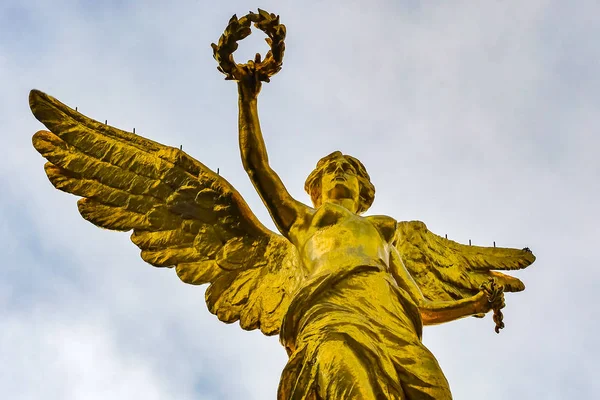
263	13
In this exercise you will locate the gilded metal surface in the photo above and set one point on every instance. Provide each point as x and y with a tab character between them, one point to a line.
347	293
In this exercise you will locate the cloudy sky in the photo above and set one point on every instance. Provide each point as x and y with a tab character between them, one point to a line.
479	118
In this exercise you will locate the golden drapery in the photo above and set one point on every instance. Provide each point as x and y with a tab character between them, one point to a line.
342	349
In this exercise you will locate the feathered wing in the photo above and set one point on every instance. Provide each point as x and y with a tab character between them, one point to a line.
446	270
182	214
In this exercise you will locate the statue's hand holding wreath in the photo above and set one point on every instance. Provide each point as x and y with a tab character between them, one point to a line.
251	74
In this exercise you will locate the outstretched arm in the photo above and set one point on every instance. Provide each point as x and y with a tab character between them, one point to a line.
284	209
438	312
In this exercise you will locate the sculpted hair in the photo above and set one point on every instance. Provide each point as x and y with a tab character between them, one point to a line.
367	190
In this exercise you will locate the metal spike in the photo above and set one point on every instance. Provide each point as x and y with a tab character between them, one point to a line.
105	122
75	108
217	171
133	130
446	235
469	242
180	147
494	244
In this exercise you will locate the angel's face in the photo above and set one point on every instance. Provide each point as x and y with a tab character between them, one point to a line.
339	181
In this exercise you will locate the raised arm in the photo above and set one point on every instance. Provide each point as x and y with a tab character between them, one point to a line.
438	312
284	209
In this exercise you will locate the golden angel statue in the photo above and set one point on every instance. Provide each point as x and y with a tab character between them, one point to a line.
348	294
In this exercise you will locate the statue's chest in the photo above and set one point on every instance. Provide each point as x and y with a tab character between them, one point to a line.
329	215
332	219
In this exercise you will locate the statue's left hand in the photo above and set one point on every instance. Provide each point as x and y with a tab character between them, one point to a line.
493	296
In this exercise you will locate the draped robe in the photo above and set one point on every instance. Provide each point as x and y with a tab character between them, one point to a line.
354	334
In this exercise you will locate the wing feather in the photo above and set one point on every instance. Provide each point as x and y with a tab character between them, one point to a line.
110	217
447	270
182	214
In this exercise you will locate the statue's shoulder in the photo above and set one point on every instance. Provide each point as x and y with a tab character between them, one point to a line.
386	225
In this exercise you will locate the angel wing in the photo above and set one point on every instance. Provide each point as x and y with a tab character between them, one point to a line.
446	270
182	214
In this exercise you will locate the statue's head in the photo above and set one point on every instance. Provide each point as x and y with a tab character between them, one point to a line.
339	176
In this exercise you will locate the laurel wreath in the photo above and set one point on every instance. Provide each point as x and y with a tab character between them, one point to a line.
238	29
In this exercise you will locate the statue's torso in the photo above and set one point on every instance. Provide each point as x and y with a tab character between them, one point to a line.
333	238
